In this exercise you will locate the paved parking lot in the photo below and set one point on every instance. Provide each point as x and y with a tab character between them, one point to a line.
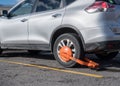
19	68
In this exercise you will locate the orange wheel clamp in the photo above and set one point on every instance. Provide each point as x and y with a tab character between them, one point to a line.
66	55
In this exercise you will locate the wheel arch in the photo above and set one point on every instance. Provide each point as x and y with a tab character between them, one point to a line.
65	29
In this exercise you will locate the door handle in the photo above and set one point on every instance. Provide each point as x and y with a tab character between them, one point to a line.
24	20
56	15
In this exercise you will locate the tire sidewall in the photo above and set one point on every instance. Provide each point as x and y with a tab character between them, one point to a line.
76	44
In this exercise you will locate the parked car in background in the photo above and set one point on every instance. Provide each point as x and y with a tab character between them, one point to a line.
83	26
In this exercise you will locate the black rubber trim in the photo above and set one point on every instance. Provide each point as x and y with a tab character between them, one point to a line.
106	46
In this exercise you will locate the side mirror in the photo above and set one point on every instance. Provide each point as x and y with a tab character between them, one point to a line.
5	13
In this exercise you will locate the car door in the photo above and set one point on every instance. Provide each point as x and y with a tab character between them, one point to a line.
48	16
14	28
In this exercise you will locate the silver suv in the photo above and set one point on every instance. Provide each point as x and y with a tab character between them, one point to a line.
83	26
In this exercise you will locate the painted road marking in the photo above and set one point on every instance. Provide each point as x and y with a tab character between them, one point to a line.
54	69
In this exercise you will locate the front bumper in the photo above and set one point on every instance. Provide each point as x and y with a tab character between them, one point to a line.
103	46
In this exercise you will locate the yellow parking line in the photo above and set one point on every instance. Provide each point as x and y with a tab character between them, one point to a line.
55	69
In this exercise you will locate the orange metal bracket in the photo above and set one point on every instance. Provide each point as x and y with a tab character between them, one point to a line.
66	55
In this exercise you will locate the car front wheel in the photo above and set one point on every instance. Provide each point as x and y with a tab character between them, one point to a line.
68	44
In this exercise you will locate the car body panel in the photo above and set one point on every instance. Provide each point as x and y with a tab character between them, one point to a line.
14	31
37	32
93	26
44	24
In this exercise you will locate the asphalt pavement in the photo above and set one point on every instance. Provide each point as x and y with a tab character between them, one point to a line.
19	68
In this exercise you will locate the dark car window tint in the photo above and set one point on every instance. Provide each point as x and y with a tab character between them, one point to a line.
44	5
117	2
69	1
23	8
110	1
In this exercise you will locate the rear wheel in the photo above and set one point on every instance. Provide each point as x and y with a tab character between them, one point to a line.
106	55
69	44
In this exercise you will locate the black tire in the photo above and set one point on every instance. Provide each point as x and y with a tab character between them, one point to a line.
107	56
33	51
79	53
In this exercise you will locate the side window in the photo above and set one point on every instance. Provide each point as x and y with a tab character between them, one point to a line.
117	2
109	1
44	5
69	2
23	8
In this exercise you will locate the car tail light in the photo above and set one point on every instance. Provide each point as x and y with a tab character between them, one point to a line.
99	6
